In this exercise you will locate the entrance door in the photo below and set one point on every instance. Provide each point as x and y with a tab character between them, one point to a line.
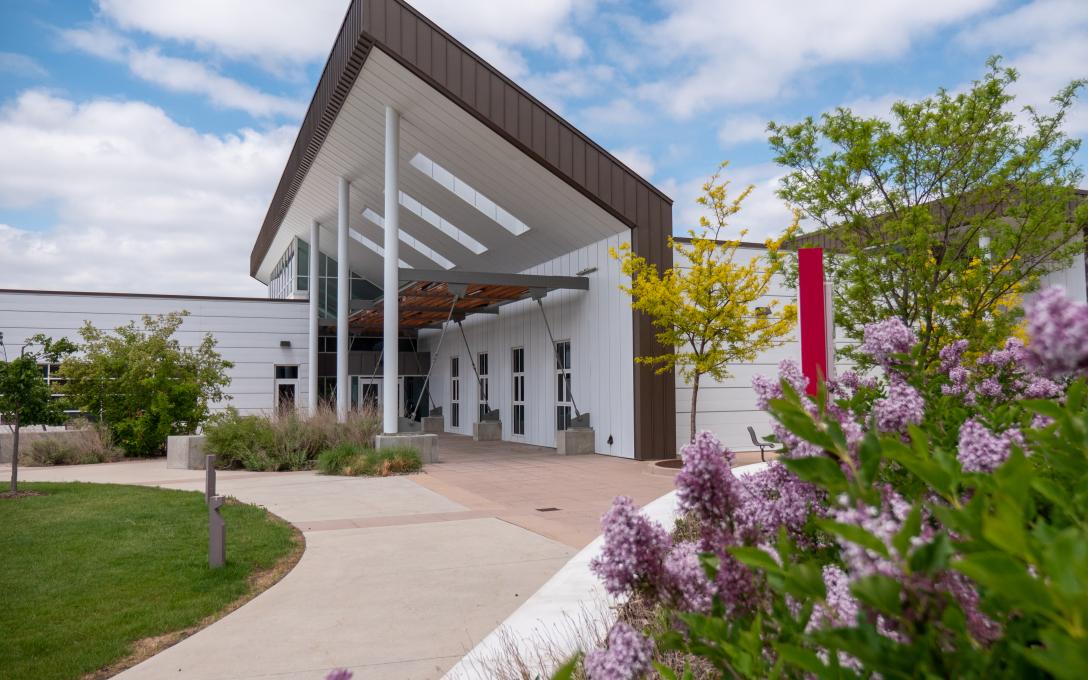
285	387
285	396
367	391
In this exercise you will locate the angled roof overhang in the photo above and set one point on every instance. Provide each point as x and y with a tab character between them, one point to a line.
470	120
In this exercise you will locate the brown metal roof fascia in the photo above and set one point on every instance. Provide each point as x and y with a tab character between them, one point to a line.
473	84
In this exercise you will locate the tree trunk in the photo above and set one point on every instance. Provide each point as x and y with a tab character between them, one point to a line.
694	401
15	458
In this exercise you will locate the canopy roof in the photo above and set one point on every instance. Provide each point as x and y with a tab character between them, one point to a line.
491	179
429	298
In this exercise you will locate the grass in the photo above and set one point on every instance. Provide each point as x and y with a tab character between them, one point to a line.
89	570
353	460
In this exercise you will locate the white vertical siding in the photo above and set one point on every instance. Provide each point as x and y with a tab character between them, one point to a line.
598	323
1071	278
248	332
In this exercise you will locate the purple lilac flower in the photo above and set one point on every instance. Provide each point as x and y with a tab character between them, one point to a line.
951	355
1058	328
1012	353
706	485
629	656
1039	421
1042	388
767	389
990	387
687	579
774	498
902	407
884	338
883	522
340	674
841	609
958	378
983	451
981	627
855	381
634	548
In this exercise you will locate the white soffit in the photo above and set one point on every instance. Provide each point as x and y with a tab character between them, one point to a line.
562	219
412	242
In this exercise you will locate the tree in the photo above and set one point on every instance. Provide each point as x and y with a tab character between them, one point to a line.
25	398
704	307
942	216
143	384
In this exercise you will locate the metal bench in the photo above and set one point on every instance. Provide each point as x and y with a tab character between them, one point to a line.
761	443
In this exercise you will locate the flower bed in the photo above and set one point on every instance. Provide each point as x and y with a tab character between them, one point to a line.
930	522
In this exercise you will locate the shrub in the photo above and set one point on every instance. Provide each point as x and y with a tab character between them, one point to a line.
291	440
89	444
916	526
143	383
351	459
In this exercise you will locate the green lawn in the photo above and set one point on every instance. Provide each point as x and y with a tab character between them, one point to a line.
87	569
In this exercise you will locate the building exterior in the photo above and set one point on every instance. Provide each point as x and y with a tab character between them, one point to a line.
421	169
266	340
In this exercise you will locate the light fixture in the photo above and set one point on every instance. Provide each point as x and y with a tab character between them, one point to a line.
285	343
586	271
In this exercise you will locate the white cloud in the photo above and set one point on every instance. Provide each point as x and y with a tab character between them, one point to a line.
742	129
278	33
763	213
722	53
636	159
21	65
620	112
1049	49
142	203
180	75
272	32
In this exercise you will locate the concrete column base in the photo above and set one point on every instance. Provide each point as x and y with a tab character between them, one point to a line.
487	431
425	444
434	424
575	441
185	452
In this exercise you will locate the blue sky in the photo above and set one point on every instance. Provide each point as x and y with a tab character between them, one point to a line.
143	139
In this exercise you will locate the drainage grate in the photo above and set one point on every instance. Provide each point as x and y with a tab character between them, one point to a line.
546	509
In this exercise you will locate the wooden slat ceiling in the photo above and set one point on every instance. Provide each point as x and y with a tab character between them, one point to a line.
426	304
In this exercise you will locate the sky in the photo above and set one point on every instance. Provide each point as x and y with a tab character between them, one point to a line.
141	140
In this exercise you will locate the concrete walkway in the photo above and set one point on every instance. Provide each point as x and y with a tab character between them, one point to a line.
401	576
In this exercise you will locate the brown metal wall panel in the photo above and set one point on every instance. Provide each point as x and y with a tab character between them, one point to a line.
578	163
604	179
525	120
392	27
453	67
630	197
592	178
498	101
538	132
483	88
551	139
566	153
616	177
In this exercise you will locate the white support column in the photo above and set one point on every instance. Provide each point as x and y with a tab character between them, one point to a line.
314	286
343	302
391	297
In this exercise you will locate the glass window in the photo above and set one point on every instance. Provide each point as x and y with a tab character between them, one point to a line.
455	392
517	412
485	384
286	372
563	402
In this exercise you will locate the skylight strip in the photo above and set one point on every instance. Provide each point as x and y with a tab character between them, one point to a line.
375	247
469	195
422	248
442	224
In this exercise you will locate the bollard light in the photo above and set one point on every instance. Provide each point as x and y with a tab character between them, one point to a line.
217	533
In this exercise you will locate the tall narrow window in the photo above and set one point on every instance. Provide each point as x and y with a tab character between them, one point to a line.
563	401
455	392
517	420
485	386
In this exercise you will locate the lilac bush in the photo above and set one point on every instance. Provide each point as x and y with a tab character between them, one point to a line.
919	523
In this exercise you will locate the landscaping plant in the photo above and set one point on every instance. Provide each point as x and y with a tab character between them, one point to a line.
944	213
352	459
143	384
24	395
705	305
914	527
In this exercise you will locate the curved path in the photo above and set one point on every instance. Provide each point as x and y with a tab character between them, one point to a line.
401	576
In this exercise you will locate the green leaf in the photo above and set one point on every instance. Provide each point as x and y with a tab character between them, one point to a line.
1060	655
566	671
854	534
756	558
802	658
819	470
870	456
933	556
911	527
1007	577
879	592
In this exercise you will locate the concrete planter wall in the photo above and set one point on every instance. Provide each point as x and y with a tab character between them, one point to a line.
27	437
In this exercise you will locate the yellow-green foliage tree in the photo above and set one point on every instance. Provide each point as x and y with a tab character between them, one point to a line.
705	305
